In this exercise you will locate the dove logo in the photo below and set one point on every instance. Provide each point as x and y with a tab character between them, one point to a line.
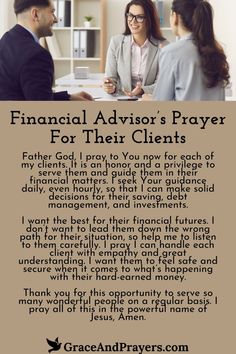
55	345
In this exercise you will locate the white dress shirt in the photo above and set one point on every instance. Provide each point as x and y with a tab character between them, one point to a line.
139	56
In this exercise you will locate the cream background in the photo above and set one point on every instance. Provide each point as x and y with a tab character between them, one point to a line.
212	333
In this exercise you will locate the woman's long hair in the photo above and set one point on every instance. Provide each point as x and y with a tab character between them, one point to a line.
197	17
152	19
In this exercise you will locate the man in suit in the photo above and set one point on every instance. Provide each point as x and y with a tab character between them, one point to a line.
26	68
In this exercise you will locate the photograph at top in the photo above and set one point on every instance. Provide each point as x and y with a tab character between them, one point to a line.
107	50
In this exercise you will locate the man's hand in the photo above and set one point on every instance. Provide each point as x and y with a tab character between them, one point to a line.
81	96
109	86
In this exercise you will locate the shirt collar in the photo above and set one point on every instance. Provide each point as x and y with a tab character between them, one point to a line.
32	34
145	44
187	36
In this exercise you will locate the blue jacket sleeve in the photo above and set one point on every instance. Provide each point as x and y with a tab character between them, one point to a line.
165	85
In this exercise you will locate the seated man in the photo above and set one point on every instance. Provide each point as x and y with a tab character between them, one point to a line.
26	68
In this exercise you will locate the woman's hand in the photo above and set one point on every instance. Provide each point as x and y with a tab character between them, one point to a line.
109	85
137	91
147	97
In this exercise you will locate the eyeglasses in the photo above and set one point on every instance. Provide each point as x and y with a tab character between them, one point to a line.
138	18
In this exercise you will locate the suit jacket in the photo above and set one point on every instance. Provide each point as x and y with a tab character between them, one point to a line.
118	63
26	69
180	75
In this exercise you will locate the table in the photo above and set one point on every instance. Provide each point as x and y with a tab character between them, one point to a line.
69	80
93	85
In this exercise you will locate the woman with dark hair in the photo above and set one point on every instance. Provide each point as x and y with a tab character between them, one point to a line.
132	58
194	67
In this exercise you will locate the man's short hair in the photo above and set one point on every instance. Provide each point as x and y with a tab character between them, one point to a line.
22	5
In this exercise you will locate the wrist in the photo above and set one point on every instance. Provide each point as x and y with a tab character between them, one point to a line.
141	91
114	89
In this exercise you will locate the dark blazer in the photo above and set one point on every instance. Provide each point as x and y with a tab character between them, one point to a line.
26	69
